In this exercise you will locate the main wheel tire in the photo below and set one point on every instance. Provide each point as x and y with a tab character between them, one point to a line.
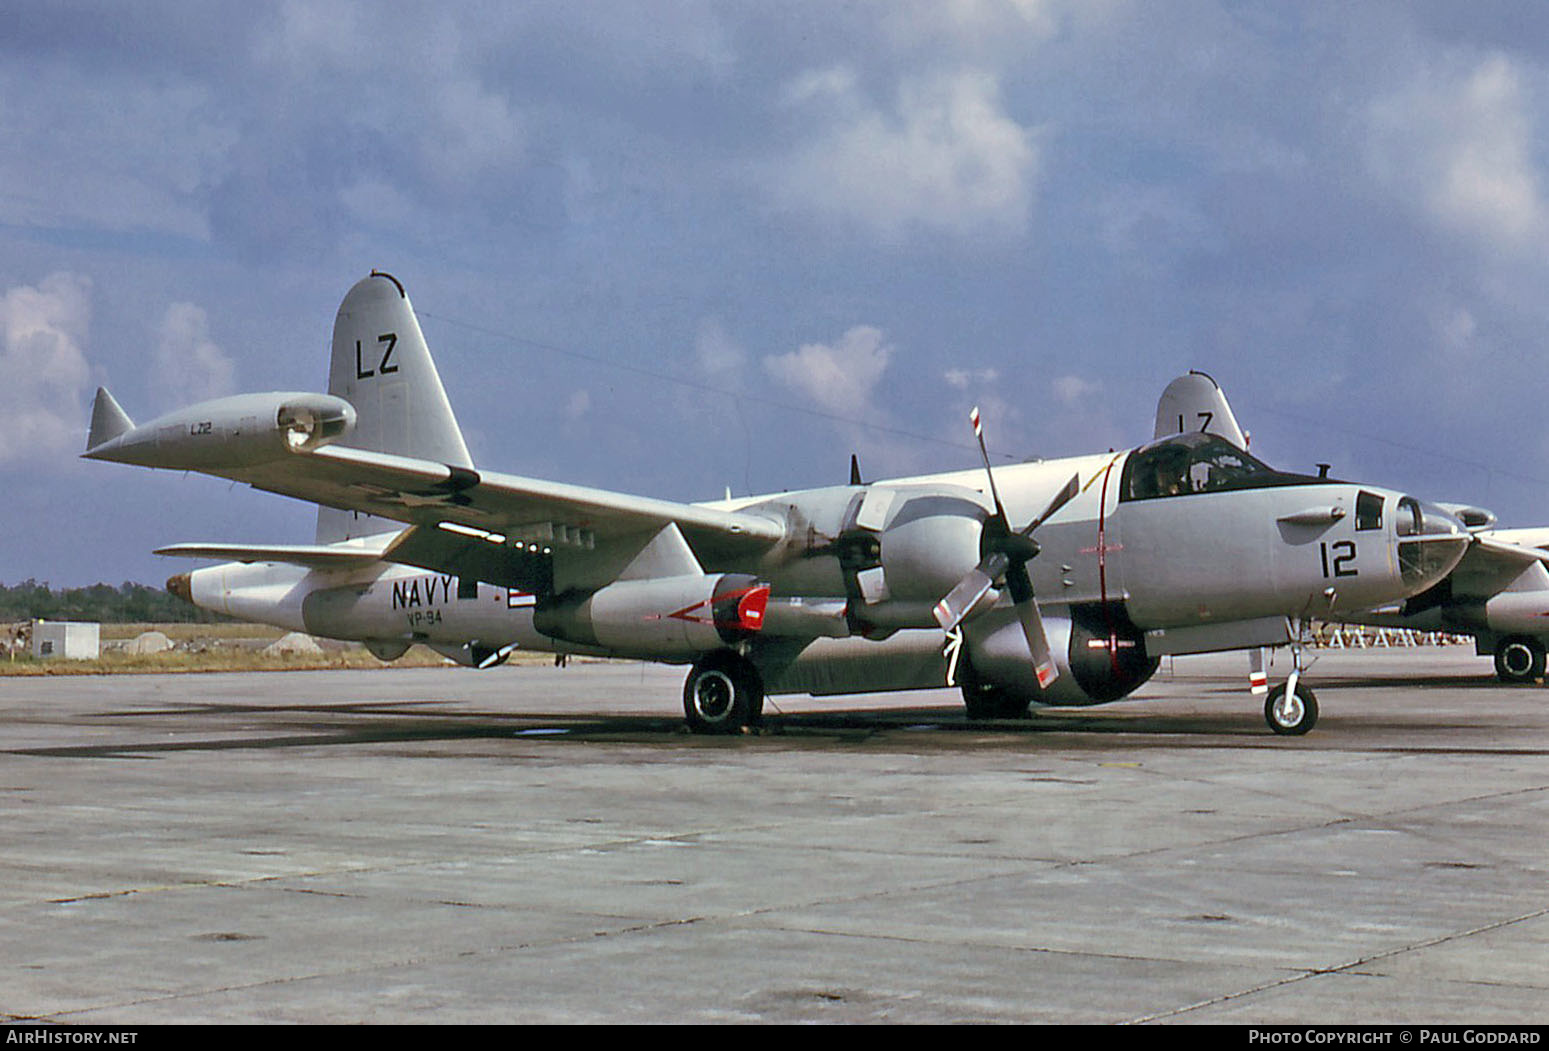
1519	659
1291	715
993	702
723	694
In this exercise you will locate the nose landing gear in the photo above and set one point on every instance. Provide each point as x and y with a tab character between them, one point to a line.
1291	709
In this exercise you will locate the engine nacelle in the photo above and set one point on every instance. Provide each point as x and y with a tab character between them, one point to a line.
240	431
901	548
663	617
929	543
1100	653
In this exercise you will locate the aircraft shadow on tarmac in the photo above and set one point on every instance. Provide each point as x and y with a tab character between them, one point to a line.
1235	723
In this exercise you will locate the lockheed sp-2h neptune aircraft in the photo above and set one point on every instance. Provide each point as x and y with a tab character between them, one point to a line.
1054	582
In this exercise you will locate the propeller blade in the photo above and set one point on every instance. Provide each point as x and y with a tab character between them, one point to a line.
1021	588
1061	498
1007	553
984	453
1038	644
967	594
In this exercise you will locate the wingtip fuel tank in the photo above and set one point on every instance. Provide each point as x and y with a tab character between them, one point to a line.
239	431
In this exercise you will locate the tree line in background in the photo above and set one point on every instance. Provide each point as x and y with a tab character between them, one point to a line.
127	603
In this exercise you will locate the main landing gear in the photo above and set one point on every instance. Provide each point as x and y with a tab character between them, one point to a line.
724	694
986	701
1519	659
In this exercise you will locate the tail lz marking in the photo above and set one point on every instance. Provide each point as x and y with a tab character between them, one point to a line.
379	362
383	368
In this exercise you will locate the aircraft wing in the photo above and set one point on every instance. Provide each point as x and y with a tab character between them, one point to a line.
313	556
591	533
1508	551
1494	560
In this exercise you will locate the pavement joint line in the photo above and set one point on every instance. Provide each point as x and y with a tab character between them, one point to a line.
1346	968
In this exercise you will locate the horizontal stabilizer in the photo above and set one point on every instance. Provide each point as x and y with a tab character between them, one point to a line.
108	420
313	556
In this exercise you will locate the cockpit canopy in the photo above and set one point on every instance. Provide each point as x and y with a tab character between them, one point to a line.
1186	464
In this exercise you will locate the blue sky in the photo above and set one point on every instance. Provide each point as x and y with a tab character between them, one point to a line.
671	248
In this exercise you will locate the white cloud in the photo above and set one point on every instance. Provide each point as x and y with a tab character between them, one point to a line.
100	151
43	358
979	24
189	366
944	157
1461	147
842	377
471	134
716	353
1073	389
962	379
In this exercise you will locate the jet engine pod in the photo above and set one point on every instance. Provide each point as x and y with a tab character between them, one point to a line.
235	432
661	617
1100	653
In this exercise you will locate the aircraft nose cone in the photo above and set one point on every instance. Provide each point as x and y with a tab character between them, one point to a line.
181	586
1431	542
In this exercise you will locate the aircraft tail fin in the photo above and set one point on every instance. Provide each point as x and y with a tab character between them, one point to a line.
1195	402
108	420
382	366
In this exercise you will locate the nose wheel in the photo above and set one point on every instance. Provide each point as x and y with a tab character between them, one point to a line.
1291	709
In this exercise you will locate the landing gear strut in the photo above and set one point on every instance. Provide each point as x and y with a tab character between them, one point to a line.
723	694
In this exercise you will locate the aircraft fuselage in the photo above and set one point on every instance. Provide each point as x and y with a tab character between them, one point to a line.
1139	562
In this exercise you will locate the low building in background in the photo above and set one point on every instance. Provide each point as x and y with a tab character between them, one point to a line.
66	639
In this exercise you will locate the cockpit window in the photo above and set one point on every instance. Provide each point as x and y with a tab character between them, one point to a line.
1185	464
1368	511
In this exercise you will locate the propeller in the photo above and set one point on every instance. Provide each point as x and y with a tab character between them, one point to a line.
1004	555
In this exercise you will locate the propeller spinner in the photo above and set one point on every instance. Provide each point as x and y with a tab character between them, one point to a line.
1004	555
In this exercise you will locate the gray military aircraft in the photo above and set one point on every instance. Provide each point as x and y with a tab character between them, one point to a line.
1055	582
1498	592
